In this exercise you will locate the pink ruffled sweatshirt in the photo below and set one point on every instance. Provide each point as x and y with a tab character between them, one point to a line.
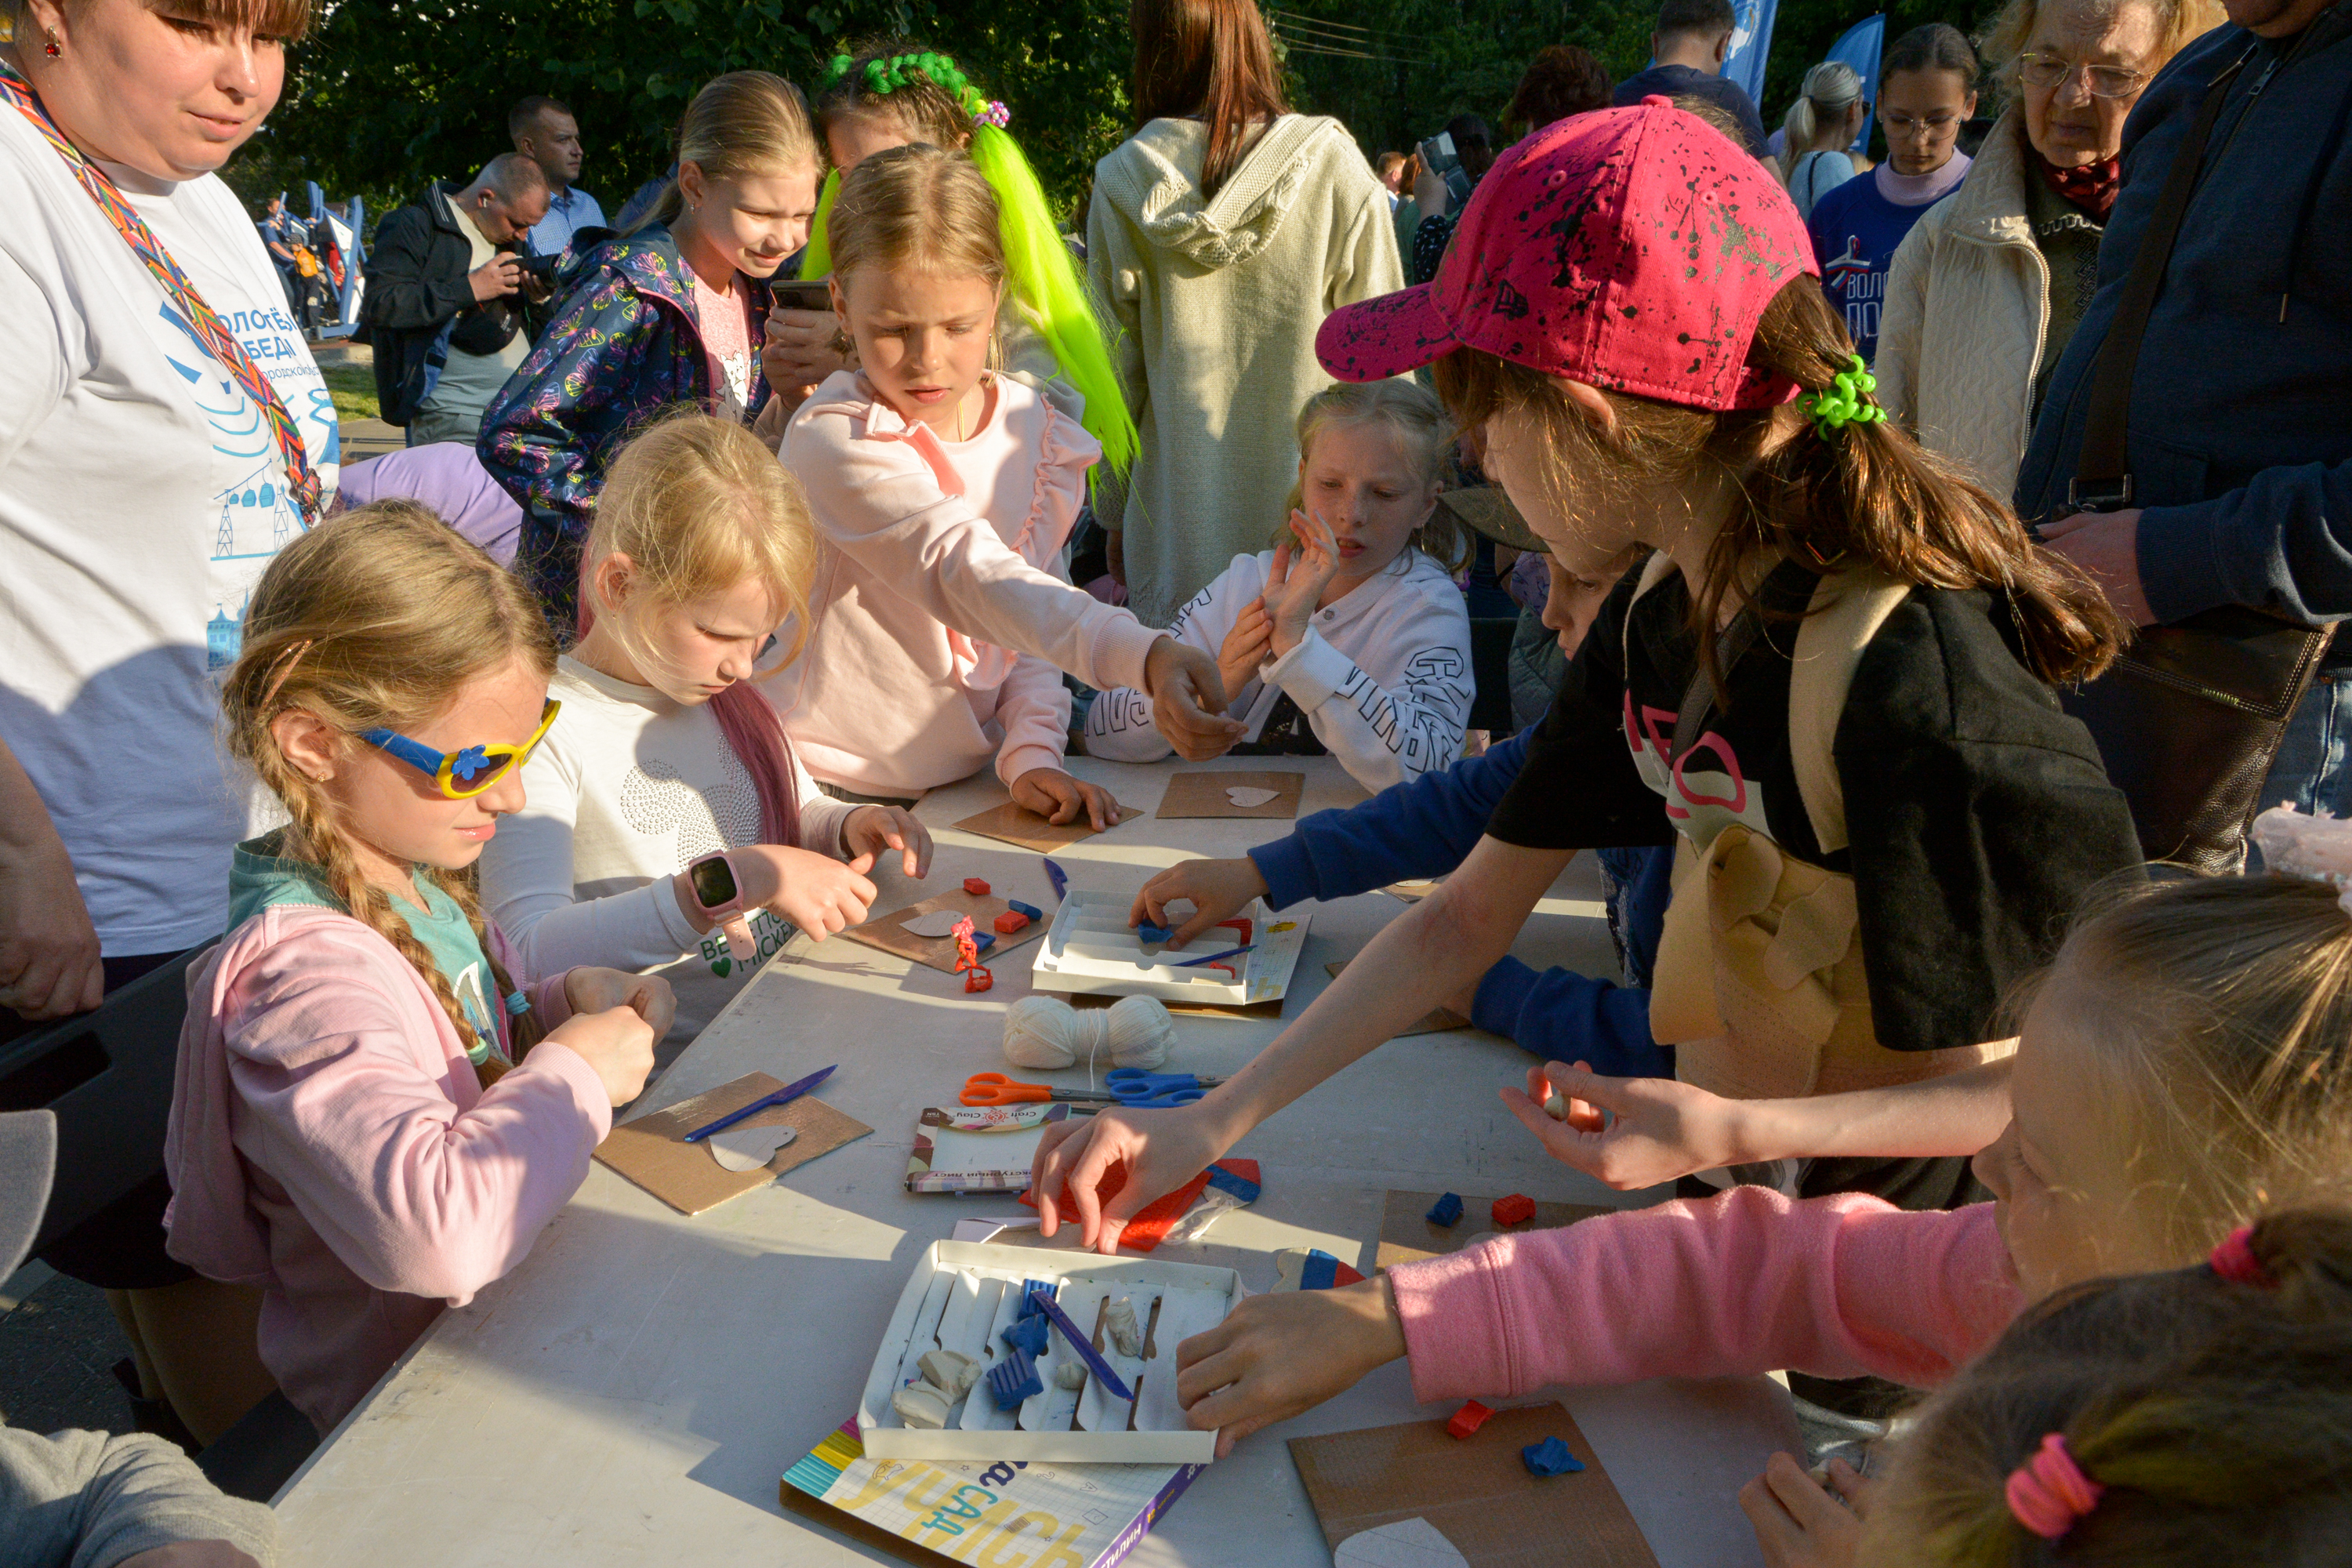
1745	1283
941	616
330	1142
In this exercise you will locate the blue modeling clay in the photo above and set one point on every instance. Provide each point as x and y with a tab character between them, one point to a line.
982	941
1029	1334
1548	1457
1018	908
1059	878
1446	1211
1146	932
1015	1379
1320	1272
1032	1288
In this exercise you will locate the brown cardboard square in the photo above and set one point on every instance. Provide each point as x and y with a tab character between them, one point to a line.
889	935
648	1149
1436	1021
1016	824
1475	1492
1407	1236
1203	794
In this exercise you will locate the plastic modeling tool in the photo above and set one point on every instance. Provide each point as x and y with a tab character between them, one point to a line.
1084	1346
1214	957
1059	878
783	1096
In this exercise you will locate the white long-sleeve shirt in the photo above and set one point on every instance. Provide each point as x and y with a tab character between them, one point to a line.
627	788
1383	675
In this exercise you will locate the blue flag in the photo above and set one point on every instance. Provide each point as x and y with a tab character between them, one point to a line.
1859	47
1751	41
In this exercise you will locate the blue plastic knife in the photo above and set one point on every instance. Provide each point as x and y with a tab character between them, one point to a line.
790	1092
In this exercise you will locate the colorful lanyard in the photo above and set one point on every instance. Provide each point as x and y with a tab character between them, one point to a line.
181	291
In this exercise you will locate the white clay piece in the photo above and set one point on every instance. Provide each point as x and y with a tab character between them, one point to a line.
921	1405
742	1149
1248	796
1071	1374
938	922
952	1373
1125	1333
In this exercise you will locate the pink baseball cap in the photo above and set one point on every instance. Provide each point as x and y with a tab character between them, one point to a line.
1634	248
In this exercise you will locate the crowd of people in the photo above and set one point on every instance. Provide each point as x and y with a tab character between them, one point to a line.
1932	569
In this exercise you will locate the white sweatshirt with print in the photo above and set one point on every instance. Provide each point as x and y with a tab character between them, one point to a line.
1383	676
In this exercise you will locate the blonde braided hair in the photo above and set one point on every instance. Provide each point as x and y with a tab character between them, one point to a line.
376	618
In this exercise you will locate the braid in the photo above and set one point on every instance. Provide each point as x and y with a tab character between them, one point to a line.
463	890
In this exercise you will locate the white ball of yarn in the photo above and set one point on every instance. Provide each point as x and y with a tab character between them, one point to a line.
1047	1032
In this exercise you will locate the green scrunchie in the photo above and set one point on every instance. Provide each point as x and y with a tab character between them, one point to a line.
1846	402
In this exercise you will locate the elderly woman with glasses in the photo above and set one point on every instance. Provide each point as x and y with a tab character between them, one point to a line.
1986	287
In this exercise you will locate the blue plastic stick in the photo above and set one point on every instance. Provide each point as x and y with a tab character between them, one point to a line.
1059	878
1211	958
1085	1347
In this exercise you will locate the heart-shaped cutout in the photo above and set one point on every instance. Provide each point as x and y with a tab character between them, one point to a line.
1405	1543
938	922
1248	796
747	1148
721	966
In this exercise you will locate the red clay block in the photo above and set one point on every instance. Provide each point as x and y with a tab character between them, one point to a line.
1469	1419
1513	1209
975	886
1011	921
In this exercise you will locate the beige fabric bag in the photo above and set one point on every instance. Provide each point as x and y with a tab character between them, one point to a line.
1759	983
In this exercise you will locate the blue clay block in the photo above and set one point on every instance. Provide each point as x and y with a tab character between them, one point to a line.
1018	908
1548	1457
1146	932
1320	1272
1029	1334
1446	1211
1015	1379
1032	1288
982	941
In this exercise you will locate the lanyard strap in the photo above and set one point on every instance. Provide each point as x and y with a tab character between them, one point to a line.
181	290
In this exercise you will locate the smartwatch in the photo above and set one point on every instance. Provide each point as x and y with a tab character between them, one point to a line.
713	881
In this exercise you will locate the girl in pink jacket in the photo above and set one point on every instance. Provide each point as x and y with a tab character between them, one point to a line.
2189	1052
373	1115
942	615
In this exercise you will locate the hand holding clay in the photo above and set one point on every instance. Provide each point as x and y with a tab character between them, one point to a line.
1219	890
1279	1354
1628	1131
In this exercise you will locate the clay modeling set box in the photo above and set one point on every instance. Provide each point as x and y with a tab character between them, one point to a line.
1090	949
960	1302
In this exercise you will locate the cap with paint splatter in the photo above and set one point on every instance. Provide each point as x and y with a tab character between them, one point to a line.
1634	248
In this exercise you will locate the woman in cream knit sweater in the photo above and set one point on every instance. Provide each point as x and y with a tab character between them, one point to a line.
1225	220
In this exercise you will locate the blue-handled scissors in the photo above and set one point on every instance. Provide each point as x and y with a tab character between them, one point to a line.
1140	1091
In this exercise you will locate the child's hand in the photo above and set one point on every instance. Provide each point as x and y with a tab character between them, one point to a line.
1219	890
815	892
1247	646
1188	699
1297	582
871	830
1654	1130
618	1043
1058	797
1798	1523
799	350
1277	1355
590	989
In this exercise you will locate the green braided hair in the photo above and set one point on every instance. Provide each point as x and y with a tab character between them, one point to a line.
933	98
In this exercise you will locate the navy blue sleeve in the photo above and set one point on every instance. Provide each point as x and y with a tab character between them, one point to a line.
1424	828
1558	1015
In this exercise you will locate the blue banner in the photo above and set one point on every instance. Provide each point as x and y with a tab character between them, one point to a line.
1751	41
1859	47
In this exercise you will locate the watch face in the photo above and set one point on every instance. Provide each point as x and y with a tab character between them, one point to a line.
714	882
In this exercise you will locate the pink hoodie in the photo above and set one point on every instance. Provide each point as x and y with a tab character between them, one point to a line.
1747	1282
330	1142
942	615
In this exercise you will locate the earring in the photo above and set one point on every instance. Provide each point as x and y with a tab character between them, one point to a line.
50	47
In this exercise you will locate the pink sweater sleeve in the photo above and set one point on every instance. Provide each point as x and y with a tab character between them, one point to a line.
1034	707
1747	1282
877	501
412	1191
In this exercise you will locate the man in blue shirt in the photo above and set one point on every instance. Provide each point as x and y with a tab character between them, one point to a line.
545	132
1688	52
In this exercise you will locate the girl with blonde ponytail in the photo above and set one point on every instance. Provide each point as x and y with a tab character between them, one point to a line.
376	1110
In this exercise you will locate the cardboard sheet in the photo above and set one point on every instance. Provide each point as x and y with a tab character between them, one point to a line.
1016	824
1203	794
1475	1492
648	1149
1407	1236
1436	1021
1194	1009
938	953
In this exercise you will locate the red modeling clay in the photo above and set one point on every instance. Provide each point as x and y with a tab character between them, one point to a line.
1469	1419
1513	1209
1010	922
977	979
1151	1225
975	886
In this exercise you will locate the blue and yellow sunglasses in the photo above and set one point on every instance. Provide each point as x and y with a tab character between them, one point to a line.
467	774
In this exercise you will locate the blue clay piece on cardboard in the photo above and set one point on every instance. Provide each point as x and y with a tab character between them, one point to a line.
1018	908
982	941
1446	1211
1146	932
1015	1379
1029	1334
1548	1457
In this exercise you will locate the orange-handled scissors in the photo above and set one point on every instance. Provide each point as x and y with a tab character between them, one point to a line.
996	1089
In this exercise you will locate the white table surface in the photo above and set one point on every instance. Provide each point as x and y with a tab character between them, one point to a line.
632	1394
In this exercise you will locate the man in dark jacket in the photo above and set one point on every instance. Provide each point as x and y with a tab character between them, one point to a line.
2240	411
440	305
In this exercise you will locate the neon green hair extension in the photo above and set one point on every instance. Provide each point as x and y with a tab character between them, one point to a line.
816	260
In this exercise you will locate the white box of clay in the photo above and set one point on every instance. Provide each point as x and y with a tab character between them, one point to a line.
963	1295
1091	949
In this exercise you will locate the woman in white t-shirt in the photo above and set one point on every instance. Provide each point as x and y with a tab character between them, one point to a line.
669	826
163	431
